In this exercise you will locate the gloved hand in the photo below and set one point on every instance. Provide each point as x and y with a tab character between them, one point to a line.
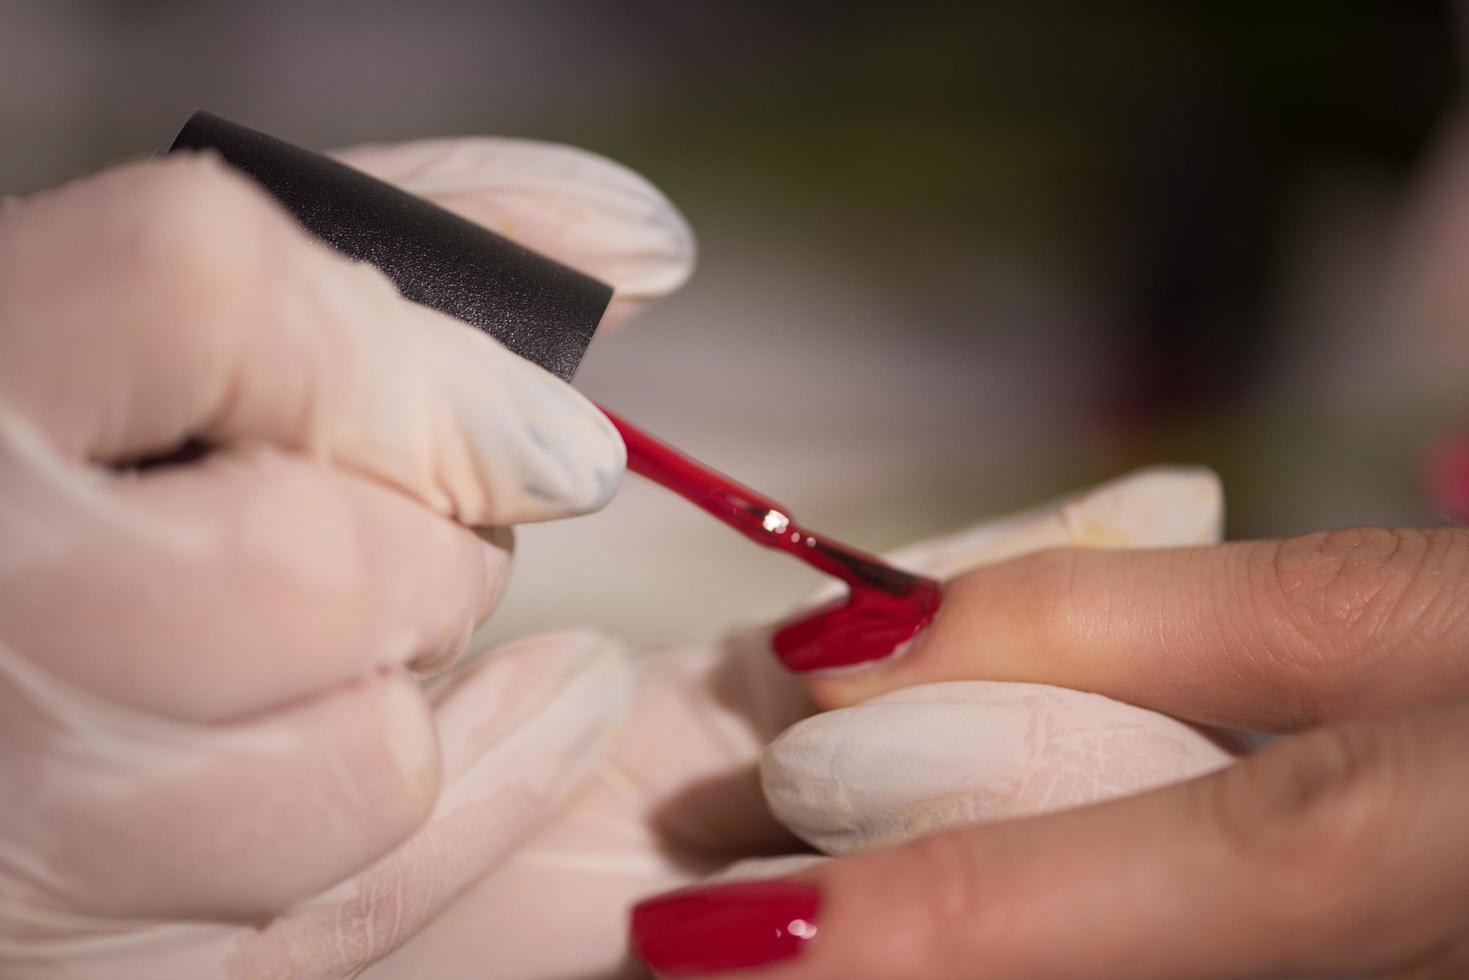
680	799
215	758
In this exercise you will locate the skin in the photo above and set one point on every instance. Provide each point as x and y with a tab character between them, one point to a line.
1338	851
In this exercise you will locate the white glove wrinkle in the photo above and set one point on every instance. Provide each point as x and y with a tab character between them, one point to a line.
962	752
599	684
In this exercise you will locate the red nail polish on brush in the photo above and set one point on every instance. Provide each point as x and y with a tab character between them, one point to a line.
733	926
885	608
546	313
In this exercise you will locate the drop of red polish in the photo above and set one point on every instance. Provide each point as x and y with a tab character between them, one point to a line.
885	607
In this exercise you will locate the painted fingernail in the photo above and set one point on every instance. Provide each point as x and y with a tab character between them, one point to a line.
733	926
865	628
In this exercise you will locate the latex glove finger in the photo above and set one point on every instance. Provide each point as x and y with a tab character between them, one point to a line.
518	732
585	210
186	304
113	813
678	797
936	756
232	585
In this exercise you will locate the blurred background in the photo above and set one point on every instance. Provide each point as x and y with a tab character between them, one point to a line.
955	258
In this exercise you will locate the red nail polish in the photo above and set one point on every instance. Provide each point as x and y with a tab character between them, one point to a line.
865	626
885	606
732	926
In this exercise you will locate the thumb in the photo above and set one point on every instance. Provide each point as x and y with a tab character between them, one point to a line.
1338	852
176	332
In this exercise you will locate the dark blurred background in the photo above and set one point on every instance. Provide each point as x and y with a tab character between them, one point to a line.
955	258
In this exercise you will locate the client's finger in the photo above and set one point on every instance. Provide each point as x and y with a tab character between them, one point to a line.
1265	635
1341	852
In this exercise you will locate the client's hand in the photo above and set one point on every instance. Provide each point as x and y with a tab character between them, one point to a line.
1341	851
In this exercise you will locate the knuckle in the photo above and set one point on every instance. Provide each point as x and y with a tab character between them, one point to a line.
1356	597
1339	582
1306	816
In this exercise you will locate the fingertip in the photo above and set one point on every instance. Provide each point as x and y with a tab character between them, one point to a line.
539	449
1011	581
936	756
927	656
1073	616
718	928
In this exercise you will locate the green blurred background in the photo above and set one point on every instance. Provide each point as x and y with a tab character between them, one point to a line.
955	258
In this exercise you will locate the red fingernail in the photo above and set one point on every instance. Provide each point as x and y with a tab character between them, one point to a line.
733	926
868	625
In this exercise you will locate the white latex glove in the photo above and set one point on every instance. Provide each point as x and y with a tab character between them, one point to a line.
215	760
680	798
